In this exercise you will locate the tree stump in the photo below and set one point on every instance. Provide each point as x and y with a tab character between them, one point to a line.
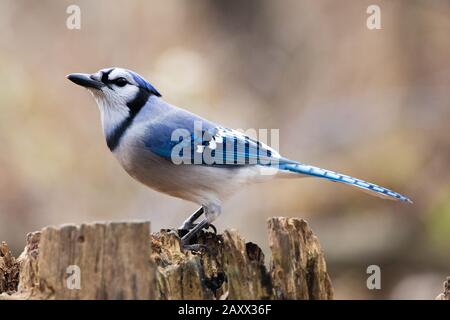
125	261
445	295
9	270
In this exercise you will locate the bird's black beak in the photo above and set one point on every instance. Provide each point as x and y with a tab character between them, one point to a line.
85	80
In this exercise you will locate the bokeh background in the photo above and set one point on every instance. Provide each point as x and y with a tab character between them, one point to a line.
370	103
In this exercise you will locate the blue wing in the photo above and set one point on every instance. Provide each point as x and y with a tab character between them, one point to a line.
201	139
210	145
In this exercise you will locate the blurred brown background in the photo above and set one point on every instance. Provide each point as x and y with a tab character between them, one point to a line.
370	103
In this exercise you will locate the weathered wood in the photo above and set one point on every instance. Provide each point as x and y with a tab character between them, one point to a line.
445	295
121	261
9	270
112	259
298	268
228	268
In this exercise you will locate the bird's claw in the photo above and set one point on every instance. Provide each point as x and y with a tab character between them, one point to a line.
194	247
212	227
183	231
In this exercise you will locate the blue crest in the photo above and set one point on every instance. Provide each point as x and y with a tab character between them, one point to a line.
144	83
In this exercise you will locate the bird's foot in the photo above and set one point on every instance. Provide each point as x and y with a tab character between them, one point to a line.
186	229
182	232
190	236
197	247
211	226
185	245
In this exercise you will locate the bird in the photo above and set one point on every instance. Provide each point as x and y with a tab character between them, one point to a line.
179	153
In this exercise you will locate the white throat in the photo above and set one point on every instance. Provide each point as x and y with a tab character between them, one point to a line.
112	112
113	105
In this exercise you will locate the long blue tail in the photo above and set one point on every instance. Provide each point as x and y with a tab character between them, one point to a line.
338	177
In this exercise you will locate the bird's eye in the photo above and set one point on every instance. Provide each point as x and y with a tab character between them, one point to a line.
121	82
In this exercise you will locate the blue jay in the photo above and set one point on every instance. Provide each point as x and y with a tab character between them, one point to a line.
170	149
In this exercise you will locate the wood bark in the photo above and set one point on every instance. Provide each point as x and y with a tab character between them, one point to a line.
445	295
125	261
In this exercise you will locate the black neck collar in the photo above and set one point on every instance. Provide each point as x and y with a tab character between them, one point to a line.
134	106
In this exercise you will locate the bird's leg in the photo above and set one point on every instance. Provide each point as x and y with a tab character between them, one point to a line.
185	239
189	222
211	212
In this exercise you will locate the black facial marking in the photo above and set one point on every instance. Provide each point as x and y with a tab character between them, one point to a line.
138	102
105	76
113	139
120	82
105	79
135	106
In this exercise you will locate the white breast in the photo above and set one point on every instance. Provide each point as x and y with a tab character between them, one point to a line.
197	183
